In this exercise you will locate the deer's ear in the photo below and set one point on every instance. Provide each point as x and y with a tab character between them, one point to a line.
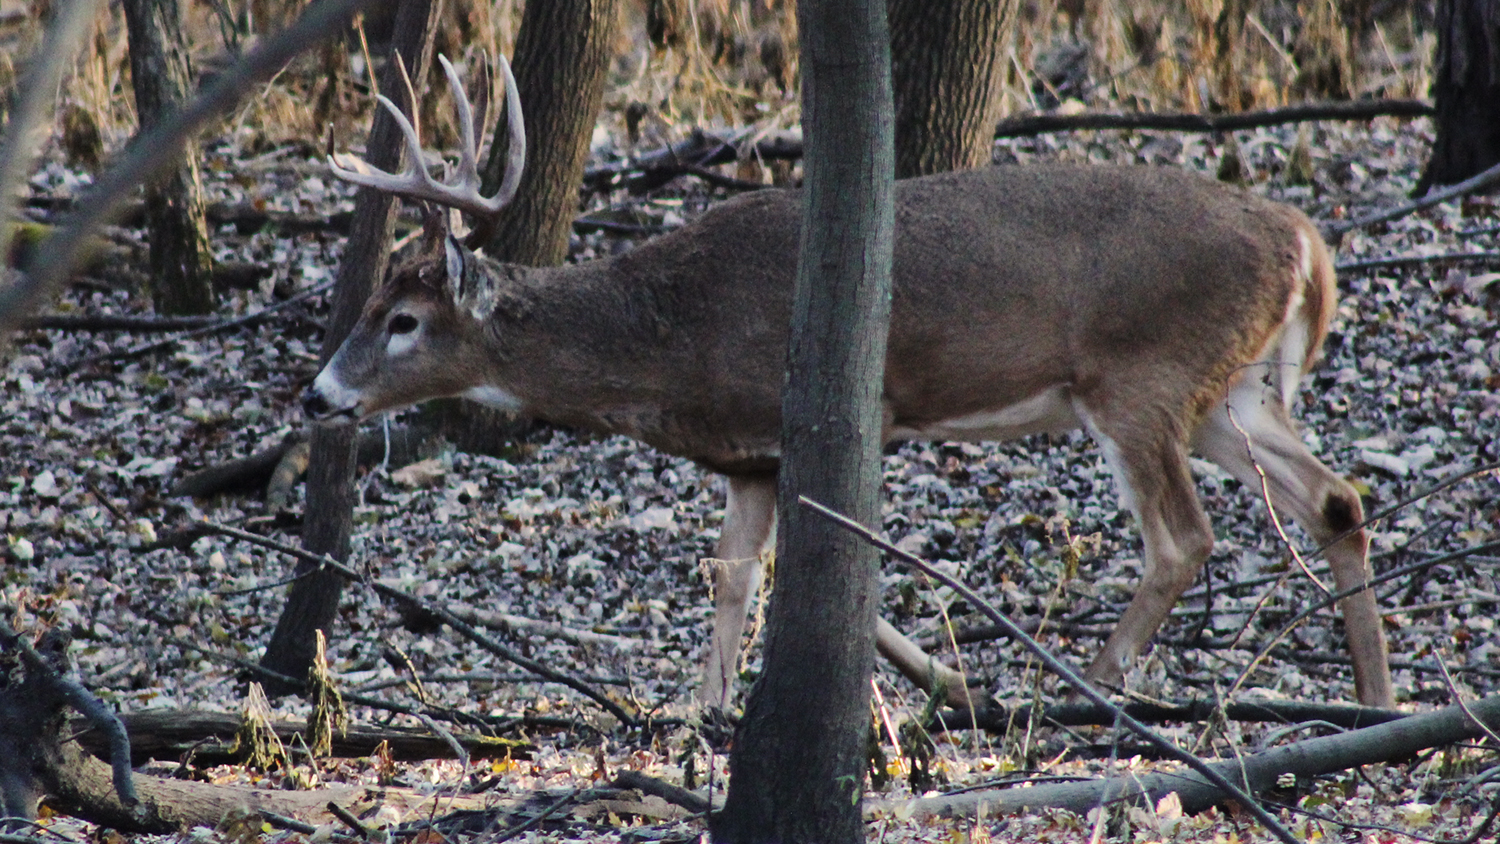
434	226
454	254
455	260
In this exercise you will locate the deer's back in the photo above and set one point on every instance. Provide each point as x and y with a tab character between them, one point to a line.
1007	281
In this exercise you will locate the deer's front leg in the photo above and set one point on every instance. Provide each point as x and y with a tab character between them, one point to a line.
749	524
1157	485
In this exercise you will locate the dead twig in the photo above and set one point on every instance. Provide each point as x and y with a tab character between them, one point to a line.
1329	599
701	149
165	734
452	716
283	822
1477	835
1337	228
1036	124
1310	758
245	321
1417	260
1345	716
459	626
1060	668
360	830
540	816
118	322
1333	598
674	794
704	149
1458	698
551	629
486	677
1387	512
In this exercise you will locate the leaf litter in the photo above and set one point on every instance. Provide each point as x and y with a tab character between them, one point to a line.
606	535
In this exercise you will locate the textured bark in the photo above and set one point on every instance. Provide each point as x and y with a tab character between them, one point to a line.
560	61
947	64
312	601
798	766
79	785
560	58
181	261
1466	92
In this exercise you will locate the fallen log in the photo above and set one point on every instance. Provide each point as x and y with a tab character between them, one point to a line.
1000	719
1256	772
209	736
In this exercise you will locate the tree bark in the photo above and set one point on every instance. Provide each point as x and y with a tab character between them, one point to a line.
1466	91
313	599
181	260
560	60
947	65
798	769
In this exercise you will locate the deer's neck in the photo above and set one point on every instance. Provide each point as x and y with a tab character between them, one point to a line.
598	346
627	345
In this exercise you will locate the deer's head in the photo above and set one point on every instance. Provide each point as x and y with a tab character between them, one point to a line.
419	334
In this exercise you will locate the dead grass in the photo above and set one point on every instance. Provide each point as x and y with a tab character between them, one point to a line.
716	63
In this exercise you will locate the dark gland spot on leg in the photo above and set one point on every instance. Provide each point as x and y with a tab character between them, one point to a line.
1340	514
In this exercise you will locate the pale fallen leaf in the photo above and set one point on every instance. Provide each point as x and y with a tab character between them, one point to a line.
423	473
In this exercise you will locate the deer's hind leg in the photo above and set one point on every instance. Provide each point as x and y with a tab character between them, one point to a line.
749	525
1324	504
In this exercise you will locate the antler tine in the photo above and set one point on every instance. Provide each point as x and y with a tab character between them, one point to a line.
469	139
415	182
515	124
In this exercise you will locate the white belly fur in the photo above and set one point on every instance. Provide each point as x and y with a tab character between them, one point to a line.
1049	411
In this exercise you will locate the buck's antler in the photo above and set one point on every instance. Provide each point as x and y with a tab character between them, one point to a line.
463	193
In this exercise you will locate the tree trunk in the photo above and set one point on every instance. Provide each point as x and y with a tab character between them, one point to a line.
560	61
948	65
798	769
312	602
181	260
1466	92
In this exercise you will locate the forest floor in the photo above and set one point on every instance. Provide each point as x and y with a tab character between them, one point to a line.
607	536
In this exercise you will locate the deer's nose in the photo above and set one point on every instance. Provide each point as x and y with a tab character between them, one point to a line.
314	405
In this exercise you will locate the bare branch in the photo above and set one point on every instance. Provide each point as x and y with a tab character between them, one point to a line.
154	152
72	23
1063	670
1312	757
1417	260
459	625
1036	124
213	327
1337	228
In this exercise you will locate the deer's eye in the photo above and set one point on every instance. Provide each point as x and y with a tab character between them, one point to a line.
402	324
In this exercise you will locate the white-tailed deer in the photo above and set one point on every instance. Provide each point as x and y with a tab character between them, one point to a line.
1156	309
